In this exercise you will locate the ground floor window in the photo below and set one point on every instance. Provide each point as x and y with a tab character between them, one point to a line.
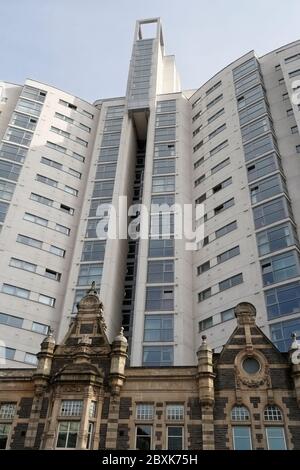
67	434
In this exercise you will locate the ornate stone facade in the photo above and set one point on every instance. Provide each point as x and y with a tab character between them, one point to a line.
82	395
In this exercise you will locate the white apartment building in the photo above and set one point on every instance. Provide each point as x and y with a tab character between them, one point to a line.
233	145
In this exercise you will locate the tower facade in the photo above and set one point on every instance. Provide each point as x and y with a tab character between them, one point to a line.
230	147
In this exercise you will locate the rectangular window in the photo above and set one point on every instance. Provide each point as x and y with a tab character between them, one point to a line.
266	188
4	434
164	150
216	131
111	140
247	82
215	116
64	118
144	411
244	68
30	359
270	212
57	251
9	171
60	132
84	127
196	116
227	314
294	130
35	219
67	104
162	120
18	263
70	190
205	294
34	93
197	130
200	199
226	255
205	324
67	209
252	112
89	273
254	129
29	241
166	106
198	146
213	88
259	147
250	96
7	353
160	271
16	291
57	147
198	162
214	101
287	60
165	166
47	161
18	136
175	412
226	229
281	333
24	121
82	142
143	437
113	125
161	248
280	268
93	251
224	206
165	134
220	165
39	328
3	210
199	180
222	185
218	148
275	438
8	410
294	73
241	438
105	171
103	189
67	434
283	300
159	328
54	275
46	180
160	298
13	153
163	184
276	238
11	320
156	356
231	282
41	199
29	107
62	229
46	300
71	407
175	437
203	267
78	157
263	167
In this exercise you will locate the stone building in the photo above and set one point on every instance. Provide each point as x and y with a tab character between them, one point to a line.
83	395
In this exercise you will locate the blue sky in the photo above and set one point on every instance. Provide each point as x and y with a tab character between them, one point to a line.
84	46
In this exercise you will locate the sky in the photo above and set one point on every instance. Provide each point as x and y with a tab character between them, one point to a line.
84	46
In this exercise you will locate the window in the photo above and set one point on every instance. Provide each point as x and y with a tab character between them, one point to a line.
226	229
213	88
11	320
163	166
64	118
250	96
218	148
263	167
55	276
281	333
160	271
33	93
9	171
244	68
285	96
280	267
47	161
224	206
57	147
89	273
17	263
175	412
196	102
247	82
226	255
156	356
217	131
227	314
266	188
87	113
41	199
205	294
68	105
90	435
231	282
165	120
29	241
35	219
164	134
4	434
160	298
197	130
57	251
275	438
163	184
144	411
108	154
17	291
259	147
292	58
114	125
78	157
67	209
270	212
222	185
3	210
220	165
199	180
46	300
198	146
46	180
84	143
24	121
252	112
106	171
164	150
175	437
103	189
294	73
30	358
70	190
93	409
161	248
241	438
294	130
158	328
84	127
203	268
71	408
166	106
93	251
196	116
275	238
214	101
7	410
283	300
240	413
12	152
200	199
7	353
297	148
28	107
143	437
205	324
272	413
254	129
198	162
67	434
39	328
60	132
62	229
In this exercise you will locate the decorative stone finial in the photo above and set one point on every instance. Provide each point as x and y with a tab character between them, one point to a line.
204	338
49	338
295	344
121	336
245	313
